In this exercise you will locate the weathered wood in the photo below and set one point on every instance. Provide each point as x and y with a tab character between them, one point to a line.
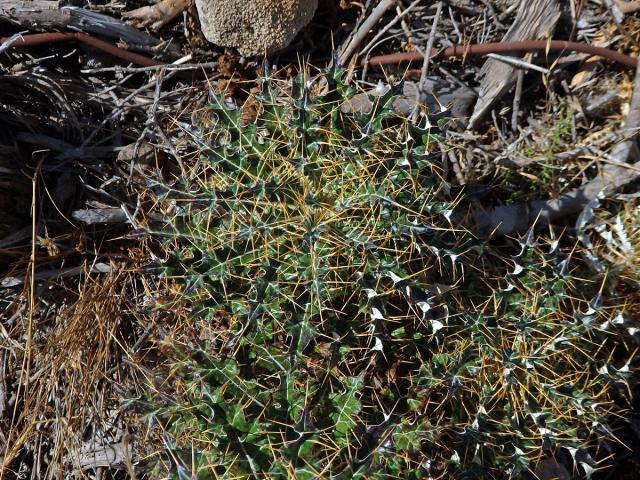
535	20
628	6
35	14
157	15
46	15
114	455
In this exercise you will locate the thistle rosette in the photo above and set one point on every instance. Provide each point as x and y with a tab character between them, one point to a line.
353	329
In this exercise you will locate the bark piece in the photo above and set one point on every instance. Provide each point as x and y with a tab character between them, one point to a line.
536	20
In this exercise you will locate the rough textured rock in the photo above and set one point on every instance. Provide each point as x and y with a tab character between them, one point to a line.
254	26
440	97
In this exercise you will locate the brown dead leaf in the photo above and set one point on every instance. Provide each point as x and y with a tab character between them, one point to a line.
588	66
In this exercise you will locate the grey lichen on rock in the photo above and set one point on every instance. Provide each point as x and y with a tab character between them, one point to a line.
254	27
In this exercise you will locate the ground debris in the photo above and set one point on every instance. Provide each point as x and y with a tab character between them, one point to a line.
92	138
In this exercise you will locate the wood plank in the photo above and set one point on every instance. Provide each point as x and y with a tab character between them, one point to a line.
535	20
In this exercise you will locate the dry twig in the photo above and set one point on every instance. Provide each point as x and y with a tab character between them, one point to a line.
425	62
364	29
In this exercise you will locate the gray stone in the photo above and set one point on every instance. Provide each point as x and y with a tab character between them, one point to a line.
254	27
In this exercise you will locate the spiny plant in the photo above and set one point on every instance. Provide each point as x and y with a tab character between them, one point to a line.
353	330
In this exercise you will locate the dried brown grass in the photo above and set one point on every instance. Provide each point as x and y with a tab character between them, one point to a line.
72	358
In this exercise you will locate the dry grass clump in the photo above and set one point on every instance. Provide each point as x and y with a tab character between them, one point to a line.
72	352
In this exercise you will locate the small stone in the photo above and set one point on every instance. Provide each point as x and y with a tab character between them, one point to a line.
254	27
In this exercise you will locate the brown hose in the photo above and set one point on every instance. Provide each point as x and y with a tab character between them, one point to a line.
41	38
506	47
456	51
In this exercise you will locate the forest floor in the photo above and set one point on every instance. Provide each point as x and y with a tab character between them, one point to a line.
83	131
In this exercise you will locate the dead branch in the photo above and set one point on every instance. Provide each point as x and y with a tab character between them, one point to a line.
509	219
364	29
157	15
628	6
45	15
